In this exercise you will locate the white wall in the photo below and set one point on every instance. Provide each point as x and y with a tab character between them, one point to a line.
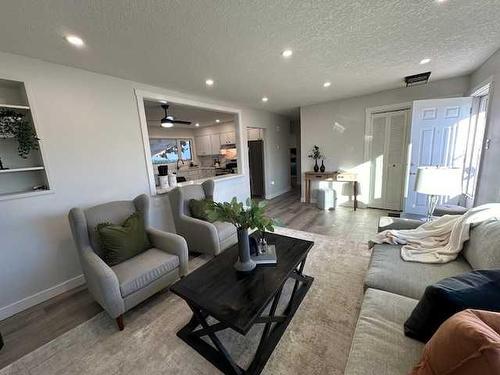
489	178
346	150
276	160
89	127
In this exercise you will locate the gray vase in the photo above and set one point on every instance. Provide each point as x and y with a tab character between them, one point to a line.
244	263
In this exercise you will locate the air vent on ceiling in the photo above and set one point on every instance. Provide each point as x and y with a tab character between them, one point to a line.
417	79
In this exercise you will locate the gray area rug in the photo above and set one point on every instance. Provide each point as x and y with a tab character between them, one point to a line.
317	340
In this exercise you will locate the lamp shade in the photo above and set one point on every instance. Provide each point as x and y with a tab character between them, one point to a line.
439	181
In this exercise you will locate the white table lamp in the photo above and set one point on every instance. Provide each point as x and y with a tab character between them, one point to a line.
438	181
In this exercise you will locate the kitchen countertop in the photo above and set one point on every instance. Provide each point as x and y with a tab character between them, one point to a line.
160	191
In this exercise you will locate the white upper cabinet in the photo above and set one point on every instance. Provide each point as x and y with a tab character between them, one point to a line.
203	145
215	142
254	134
228	138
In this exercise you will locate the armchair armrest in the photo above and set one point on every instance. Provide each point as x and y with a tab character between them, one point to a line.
200	235
386	223
171	243
102	283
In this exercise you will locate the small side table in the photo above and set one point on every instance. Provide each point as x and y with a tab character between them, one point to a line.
331	176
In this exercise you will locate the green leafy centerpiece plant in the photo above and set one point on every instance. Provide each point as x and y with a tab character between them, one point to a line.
244	218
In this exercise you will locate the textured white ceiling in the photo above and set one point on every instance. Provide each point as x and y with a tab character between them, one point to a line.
205	117
360	46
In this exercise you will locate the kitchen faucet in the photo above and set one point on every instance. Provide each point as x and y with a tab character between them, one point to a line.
179	160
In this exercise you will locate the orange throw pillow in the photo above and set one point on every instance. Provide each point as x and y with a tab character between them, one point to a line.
467	343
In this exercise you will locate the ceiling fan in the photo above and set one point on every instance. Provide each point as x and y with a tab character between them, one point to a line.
168	121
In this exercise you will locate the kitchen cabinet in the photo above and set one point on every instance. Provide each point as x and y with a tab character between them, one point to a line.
215	142
254	134
228	138
203	145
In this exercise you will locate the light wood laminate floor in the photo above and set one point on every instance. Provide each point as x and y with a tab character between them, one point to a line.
32	328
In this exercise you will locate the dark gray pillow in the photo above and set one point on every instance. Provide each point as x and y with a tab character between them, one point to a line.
482	250
471	290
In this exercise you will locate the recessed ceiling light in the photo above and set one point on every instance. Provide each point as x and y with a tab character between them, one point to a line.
287	53
441	1
265	99
75	40
163	101
327	84
425	61
197	124
209	82
217	121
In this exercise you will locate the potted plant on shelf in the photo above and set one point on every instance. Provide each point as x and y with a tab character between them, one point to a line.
244	218
13	125
315	154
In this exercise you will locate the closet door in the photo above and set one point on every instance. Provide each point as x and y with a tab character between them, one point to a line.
388	159
378	177
395	162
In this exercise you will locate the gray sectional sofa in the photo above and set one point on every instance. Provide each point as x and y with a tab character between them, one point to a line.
392	290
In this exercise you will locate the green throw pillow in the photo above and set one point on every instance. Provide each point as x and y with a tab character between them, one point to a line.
199	208
122	242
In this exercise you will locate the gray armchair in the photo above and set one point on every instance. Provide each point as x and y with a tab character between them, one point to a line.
201	236
123	286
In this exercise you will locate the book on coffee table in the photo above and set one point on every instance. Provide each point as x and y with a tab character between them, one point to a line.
269	257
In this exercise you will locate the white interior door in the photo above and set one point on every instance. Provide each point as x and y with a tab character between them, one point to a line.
439	133
388	155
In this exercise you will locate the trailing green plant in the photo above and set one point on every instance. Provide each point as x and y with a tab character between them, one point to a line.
315	153
250	217
13	124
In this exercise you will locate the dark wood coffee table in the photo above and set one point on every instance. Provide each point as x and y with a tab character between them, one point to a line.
237	301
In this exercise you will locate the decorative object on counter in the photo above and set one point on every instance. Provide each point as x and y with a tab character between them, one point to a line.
172	180
12	124
243	218
322	168
163	170
164	182
315	154
2	168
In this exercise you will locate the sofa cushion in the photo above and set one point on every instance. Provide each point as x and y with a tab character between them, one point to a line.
482	250
389	272
467	343
140	271
124	241
379	345
472	290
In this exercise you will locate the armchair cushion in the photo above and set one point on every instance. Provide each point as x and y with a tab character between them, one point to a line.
122	242
143	269
482	250
199	207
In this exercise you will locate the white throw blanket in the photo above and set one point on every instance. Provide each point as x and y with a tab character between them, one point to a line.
441	240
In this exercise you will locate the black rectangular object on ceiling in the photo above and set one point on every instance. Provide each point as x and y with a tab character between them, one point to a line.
417	79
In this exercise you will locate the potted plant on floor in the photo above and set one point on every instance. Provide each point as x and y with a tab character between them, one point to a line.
244	218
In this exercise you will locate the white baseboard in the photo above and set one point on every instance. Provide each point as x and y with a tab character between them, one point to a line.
275	194
40	297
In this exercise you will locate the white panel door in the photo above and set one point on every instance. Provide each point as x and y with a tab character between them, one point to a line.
388	154
439	134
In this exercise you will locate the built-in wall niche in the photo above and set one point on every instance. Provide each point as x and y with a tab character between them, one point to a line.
20	175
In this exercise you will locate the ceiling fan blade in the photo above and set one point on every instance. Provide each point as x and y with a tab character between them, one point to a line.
182	122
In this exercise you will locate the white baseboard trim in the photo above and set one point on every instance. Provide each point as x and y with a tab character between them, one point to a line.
275	194
40	297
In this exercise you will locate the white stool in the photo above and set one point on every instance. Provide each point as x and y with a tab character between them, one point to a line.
327	198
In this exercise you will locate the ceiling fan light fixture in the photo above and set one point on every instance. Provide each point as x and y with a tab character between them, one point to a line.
166	123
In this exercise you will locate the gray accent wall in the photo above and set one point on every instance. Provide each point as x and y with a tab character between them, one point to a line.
488	189
89	126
